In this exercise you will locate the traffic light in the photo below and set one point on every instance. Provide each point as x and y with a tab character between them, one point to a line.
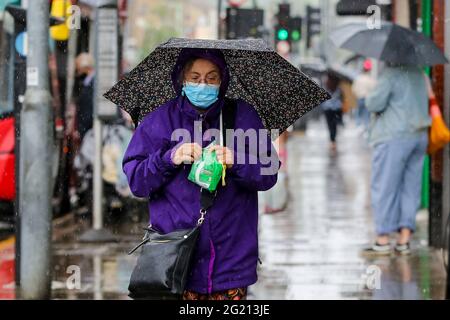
296	28
283	29
282	34
244	23
284	12
313	23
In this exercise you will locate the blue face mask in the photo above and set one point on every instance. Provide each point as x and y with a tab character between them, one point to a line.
201	95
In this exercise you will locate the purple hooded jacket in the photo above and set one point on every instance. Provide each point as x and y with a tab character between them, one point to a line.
227	253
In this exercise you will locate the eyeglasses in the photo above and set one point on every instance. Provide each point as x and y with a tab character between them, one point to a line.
210	79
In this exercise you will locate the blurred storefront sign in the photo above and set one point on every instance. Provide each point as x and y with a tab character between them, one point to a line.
107	59
354	8
4	3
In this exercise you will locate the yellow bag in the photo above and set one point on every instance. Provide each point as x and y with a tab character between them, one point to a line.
60	10
439	133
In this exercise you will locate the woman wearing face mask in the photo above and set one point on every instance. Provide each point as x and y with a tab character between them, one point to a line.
226	257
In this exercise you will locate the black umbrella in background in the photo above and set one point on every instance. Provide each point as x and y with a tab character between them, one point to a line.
342	72
279	92
391	43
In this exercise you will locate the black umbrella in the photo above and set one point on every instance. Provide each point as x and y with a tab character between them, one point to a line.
280	92
391	43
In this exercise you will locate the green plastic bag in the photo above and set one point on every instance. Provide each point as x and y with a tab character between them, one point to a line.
207	171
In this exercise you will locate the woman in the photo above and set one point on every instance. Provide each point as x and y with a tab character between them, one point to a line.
226	256
399	135
333	108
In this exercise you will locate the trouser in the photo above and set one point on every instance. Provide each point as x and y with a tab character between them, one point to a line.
333	118
396	183
231	294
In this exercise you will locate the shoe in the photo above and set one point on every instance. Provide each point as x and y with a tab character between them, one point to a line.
403	249
333	149
377	250
333	146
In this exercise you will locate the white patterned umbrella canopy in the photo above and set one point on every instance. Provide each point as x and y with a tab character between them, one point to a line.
280	93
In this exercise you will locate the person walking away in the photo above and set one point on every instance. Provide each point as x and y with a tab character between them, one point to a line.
333	108
363	85
399	136
85	102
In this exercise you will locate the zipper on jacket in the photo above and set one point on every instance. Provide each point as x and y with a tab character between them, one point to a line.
200	128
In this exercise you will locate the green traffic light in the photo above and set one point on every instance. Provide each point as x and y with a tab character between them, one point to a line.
296	36
282	34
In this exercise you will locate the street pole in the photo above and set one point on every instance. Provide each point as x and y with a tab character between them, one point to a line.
19	87
36	161
446	187
106	75
97	177
326	19
426	183
219	19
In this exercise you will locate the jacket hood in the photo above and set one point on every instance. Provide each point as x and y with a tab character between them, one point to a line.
214	55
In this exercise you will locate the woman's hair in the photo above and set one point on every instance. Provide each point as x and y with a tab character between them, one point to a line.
332	82
84	60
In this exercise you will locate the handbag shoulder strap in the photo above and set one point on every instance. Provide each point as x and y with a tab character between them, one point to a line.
228	120
229	117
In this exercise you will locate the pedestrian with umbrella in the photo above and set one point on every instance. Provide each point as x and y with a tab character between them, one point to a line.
192	85
399	125
333	109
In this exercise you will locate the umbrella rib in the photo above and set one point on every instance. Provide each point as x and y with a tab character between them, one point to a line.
386	43
188	44
282	68
244	86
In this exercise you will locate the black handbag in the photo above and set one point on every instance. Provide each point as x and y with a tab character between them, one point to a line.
162	268
164	263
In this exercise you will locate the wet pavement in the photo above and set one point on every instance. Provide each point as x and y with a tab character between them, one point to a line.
309	251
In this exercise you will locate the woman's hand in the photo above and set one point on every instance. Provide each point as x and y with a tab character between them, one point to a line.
187	153
224	155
